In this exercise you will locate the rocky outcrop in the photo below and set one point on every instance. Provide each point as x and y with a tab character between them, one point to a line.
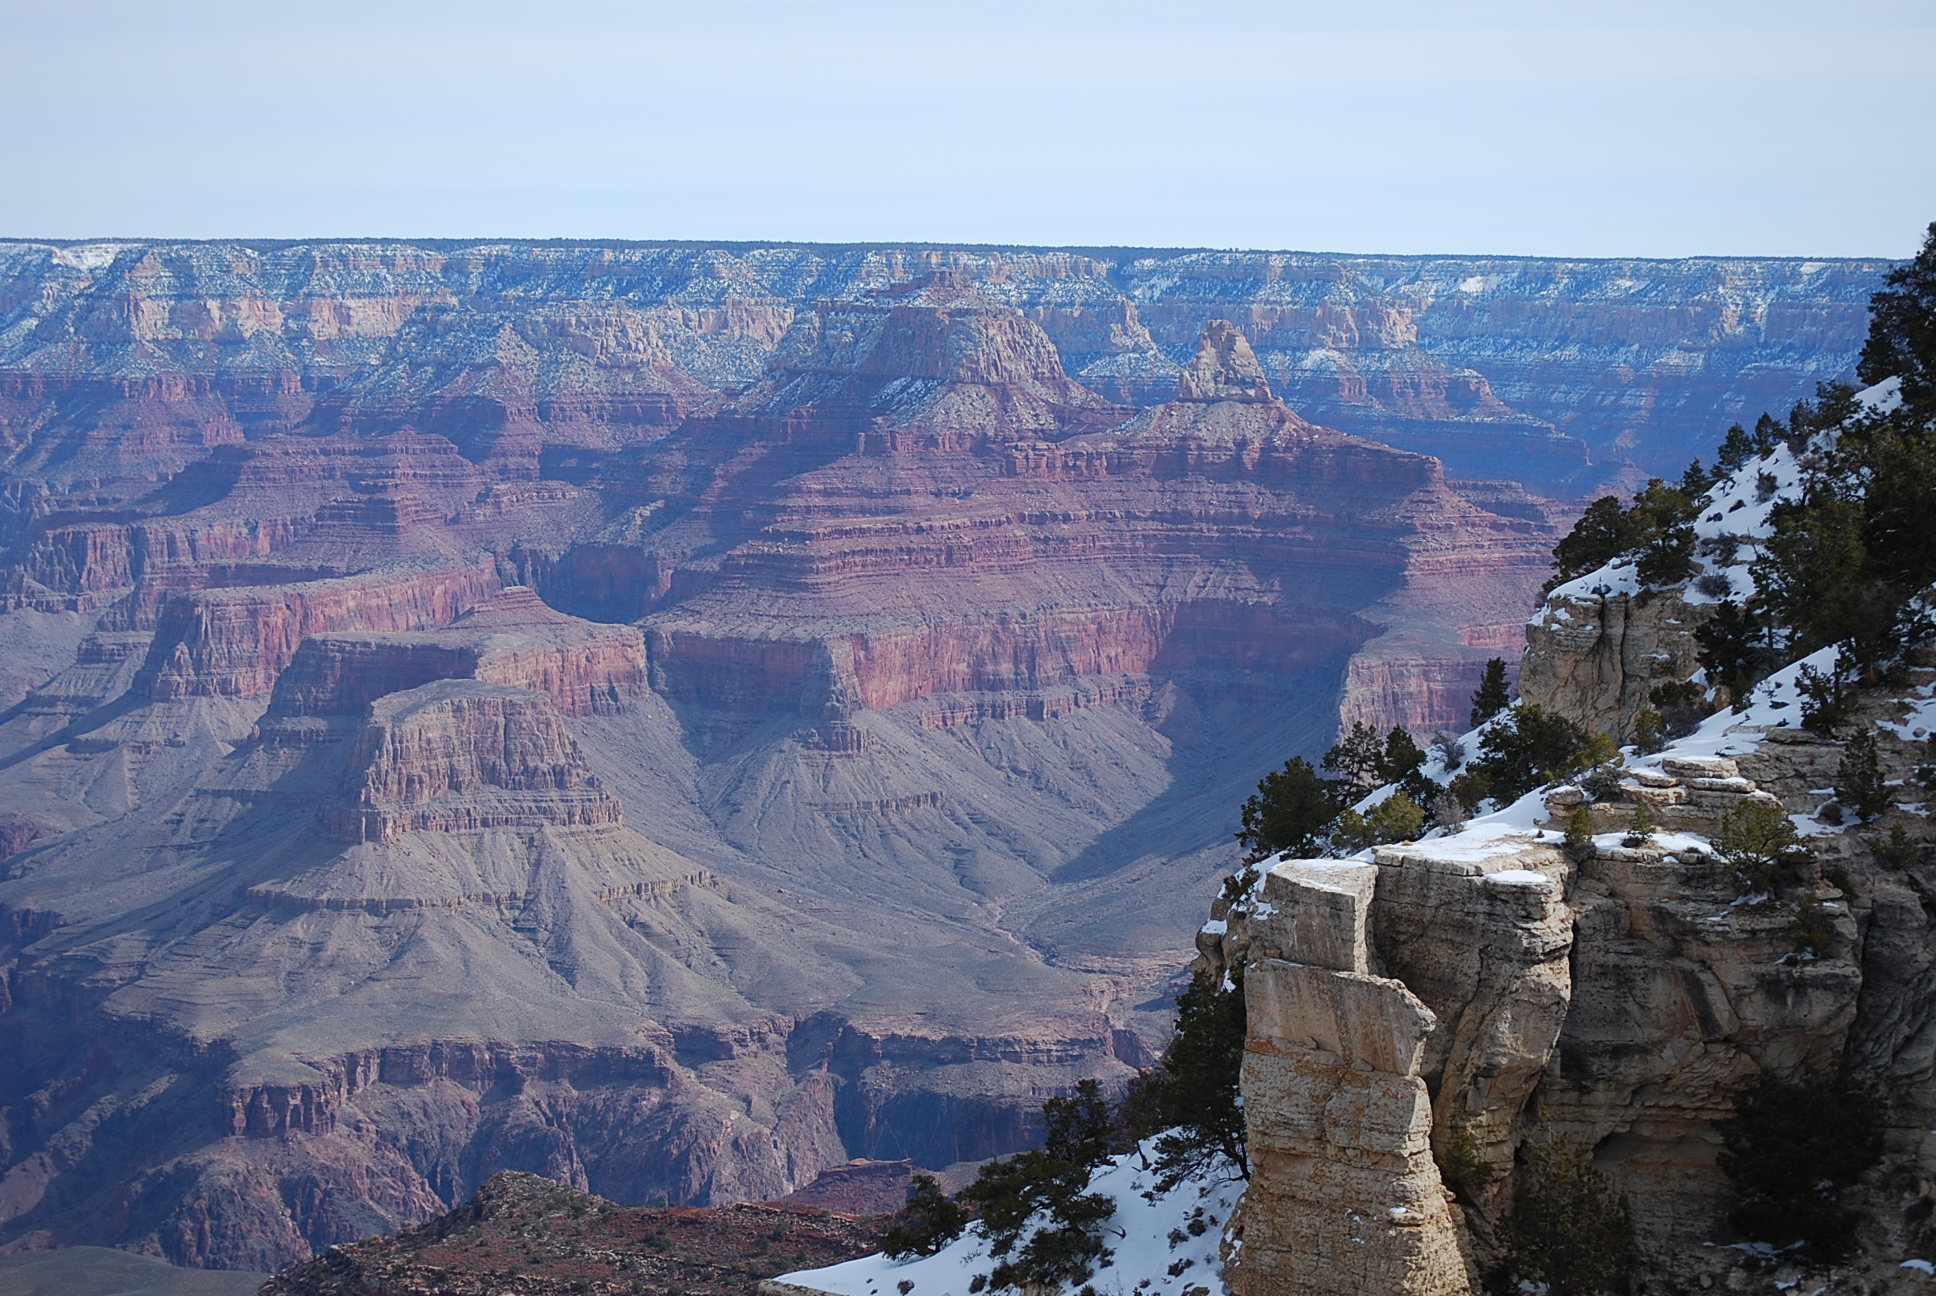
1343	1194
457	756
1225	368
1613	999
1597	656
235	643
511	639
1622	1002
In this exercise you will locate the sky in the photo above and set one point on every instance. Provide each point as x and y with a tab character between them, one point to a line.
1553	129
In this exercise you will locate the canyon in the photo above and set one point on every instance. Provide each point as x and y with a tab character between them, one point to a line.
679	718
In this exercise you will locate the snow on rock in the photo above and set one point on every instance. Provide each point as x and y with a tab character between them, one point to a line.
1158	1248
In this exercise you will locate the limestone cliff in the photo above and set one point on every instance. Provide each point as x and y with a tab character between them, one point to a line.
1595	656
1501	986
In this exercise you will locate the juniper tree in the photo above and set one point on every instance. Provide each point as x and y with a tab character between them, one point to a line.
1290	812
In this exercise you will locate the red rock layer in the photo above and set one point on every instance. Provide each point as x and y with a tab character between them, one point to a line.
459	756
511	639
925	552
234	643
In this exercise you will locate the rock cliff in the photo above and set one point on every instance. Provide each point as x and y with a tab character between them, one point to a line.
1601	969
123	356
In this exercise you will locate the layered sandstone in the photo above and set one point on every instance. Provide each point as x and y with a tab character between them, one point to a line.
1596	655
511	639
880	823
236	642
1620	995
1343	1192
458	755
141	353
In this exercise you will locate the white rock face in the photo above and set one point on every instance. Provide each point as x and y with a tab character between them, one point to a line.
1595	657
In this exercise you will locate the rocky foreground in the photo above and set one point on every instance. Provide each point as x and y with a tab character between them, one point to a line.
528	1236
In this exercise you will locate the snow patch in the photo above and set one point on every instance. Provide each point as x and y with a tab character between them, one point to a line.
88	256
1138	1235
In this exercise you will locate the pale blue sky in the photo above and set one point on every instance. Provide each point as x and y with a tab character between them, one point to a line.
1588	129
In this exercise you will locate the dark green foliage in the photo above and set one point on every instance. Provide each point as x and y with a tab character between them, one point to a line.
1791	1149
1464	1171
1403	763
1737	447
1357	762
1075	1129
1396	818
1696	481
1821	580
1532	746
1471	788
1007	1194
1902	329
1667	559
1641	830
1734	649
929	1221
1601	535
1650	732
1681	705
1760	844
1859	783
1810	928
1578	843
1845	561
1898	850
1656	531
1291	812
1568	1229
1193	1094
1492	697
1826	699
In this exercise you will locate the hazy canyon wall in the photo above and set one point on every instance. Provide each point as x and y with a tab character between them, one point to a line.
675	719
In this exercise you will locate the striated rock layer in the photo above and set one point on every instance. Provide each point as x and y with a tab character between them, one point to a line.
121	356
675	720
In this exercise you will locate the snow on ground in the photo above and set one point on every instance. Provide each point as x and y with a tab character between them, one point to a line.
1158	1248
1603	582
1920	722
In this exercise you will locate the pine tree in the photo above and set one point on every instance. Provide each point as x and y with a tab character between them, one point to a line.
929	1221
1290	813
1736	449
1791	1150
1859	781
1902	330
1357	762
1493	695
1578	843
1193	1094
1641	830
1568	1229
